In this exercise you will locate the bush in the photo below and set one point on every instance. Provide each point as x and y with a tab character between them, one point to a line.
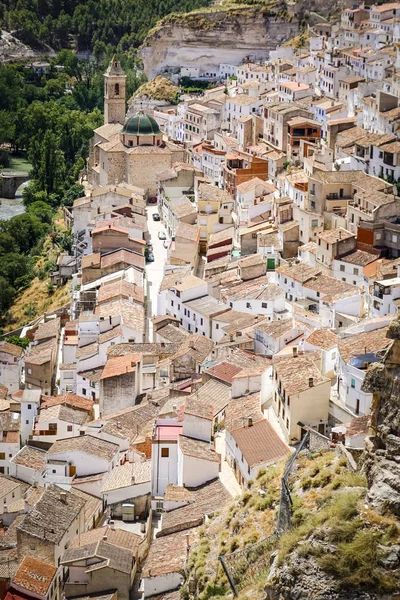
322	480
349	480
251	537
306	483
235	544
261	471
246	497
299	516
314	470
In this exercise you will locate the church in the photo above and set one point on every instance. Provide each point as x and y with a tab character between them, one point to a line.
131	151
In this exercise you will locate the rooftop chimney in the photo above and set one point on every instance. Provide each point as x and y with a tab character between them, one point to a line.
250	422
112	525
340	234
63	497
294	351
118	424
311	381
105	537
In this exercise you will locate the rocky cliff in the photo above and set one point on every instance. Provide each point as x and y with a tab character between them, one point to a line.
226	34
382	456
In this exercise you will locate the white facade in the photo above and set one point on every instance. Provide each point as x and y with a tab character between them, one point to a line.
383	297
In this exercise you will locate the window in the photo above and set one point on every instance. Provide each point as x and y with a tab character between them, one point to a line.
26	422
69	427
355	271
164	452
264	304
217	326
29	406
29	371
353	383
201	321
358	406
2	456
248	305
52	426
254	236
83	392
342	267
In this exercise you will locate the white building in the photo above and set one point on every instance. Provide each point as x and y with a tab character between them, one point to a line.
10	366
356	352
384	298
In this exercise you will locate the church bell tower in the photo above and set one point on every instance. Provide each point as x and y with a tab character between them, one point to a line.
114	93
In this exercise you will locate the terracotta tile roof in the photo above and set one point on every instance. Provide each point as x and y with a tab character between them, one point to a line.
187	232
359	257
3	394
213	393
241	409
12	349
224	371
299	272
198	449
52	517
31	457
178	493
107	555
127	475
323	338
359	425
221	236
132	314
115	537
120	289
168	554
295	372
87	444
35	576
335	235
276	329
170	280
363	343
122	256
42	353
197	408
68	399
260	443
7	485
119	365
129	422
63	413
172	333
203	501
47	330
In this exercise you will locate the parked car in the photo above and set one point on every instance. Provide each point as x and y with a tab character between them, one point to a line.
161	235
156	217
150	257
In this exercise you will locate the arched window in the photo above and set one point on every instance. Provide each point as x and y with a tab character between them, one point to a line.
116	89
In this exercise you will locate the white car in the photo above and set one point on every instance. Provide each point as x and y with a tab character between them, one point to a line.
161	235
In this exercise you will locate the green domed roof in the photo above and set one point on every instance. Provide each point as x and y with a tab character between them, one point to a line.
141	124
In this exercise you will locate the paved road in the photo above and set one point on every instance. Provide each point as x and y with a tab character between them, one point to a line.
155	270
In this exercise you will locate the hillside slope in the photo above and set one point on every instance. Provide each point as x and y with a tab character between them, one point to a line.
337	549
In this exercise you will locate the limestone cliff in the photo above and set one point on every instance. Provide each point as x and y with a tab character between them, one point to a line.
226	34
382	456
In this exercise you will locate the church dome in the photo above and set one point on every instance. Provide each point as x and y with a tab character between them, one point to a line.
141	124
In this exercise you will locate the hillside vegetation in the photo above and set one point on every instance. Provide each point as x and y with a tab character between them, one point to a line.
337	547
87	24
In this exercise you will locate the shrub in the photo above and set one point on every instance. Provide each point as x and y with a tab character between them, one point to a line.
306	483
348	479
246	497
235	544
314	470
299	516
322	480
262	471
251	537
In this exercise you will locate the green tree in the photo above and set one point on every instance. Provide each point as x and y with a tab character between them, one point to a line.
7	293
26	230
42	211
48	163
7	243
13	266
23	342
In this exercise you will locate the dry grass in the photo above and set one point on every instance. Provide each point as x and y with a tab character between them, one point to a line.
159	88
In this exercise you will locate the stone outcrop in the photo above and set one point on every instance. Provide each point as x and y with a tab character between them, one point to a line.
382	455
209	37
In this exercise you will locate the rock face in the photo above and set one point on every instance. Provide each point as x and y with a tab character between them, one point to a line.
11	48
382	456
208	38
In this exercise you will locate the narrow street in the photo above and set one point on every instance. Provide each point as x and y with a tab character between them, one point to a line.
154	270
